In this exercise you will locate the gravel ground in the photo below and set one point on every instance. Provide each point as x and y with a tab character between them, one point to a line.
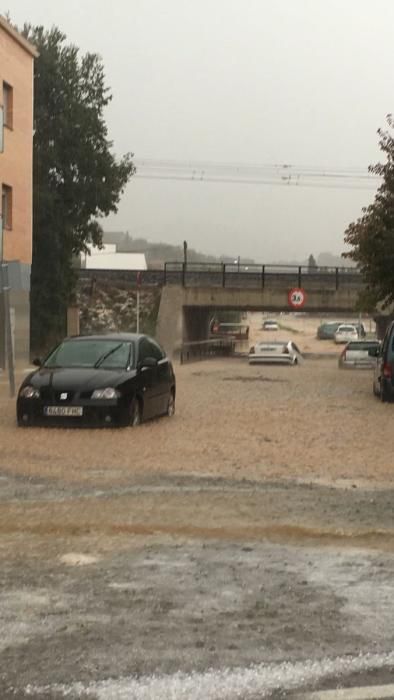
253	528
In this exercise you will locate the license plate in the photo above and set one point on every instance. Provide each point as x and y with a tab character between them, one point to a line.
63	411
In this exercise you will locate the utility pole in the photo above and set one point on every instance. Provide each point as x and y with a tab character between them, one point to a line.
2	307
8	330
6	314
139	276
185	252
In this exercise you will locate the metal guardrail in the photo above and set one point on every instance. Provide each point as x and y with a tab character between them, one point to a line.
202	349
230	275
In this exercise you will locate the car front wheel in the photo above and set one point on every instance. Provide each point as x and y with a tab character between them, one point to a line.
135	413
171	405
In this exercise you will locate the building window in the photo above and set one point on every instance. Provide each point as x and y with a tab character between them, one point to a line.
8	104
6	206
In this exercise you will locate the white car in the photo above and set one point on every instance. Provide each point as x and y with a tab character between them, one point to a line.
345	333
270	325
283	352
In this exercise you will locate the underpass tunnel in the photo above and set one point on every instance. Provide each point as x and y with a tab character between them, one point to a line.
197	320
231	312
196	323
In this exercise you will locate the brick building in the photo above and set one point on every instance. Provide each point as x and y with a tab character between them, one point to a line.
16	176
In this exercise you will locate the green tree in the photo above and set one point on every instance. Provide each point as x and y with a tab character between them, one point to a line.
371	237
77	179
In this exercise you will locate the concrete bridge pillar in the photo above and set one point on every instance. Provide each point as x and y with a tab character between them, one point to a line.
177	323
169	329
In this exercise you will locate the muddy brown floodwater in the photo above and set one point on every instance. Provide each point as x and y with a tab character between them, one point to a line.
255	527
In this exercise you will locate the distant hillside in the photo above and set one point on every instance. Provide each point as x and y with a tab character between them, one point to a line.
159	253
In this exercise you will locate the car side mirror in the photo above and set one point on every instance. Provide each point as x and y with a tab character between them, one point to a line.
37	362
148	362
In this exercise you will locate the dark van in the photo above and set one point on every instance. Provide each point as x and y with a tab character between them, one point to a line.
383	381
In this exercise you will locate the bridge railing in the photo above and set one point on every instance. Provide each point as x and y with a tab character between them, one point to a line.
257	276
229	275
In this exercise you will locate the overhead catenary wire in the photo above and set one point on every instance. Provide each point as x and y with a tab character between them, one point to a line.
207	179
257	174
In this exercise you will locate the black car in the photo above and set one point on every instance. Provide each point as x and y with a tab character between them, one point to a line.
383	381
326	331
115	379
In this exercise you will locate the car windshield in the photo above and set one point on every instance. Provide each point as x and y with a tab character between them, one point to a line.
346	329
98	354
270	346
362	346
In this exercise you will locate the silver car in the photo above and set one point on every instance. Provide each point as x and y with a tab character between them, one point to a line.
279	352
359	353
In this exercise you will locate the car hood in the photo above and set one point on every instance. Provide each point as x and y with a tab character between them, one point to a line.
76	379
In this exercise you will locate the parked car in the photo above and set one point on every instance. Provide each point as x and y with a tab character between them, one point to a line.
359	353
115	379
238	331
345	333
270	325
283	352
326	331
383	381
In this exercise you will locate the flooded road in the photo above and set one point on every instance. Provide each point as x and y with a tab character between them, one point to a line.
245	546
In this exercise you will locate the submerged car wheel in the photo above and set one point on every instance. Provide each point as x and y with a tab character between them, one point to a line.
384	395
171	405
135	413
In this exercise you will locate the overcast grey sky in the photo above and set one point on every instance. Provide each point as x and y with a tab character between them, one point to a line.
251	81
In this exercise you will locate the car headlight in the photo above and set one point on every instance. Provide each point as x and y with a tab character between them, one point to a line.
108	393
29	392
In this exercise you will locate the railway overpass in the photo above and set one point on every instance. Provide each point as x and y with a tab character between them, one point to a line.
191	293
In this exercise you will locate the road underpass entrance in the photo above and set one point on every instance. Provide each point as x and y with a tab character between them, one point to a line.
186	312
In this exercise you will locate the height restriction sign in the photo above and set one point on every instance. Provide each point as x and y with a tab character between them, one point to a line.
297	298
